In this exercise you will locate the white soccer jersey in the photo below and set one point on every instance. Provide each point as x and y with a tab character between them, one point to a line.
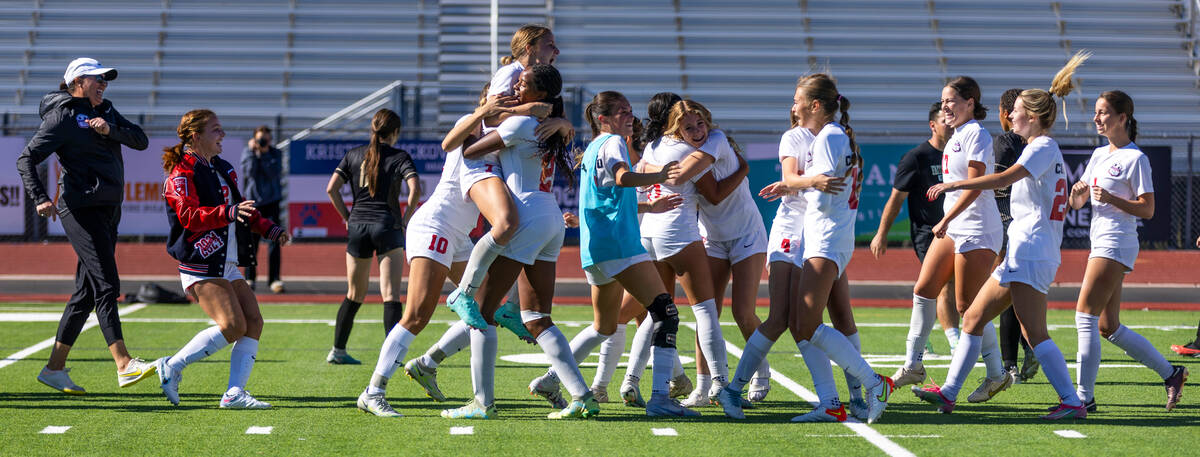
529	174
1039	203
681	223
504	82
1125	173
736	216
445	209
829	218
970	143
796	144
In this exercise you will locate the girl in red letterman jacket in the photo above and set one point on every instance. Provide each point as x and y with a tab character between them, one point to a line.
210	228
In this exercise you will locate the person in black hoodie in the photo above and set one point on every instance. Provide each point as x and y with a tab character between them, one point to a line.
210	237
87	134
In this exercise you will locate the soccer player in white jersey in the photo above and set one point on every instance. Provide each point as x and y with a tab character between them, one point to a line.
529	167
481	176
1117	180
612	255
1040	193
786	254
439	242
969	237
673	238
828	238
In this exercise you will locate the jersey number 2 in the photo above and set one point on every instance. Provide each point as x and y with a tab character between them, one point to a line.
1058	209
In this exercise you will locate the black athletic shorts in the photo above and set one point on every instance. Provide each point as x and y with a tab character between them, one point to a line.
922	238
368	240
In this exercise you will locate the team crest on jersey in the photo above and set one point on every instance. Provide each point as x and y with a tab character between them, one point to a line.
209	244
957	146
1115	170
179	185
82	119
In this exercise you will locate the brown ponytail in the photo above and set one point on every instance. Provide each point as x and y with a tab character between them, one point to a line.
384	123
823	89
192	123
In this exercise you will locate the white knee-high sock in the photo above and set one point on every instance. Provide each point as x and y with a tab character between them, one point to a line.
822	373
562	361
610	357
391	357
840	350
990	351
755	355
852	383
665	360
924	315
1136	346
456	338
1055	367
582	345
241	361
966	352
952	337
484	347
639	351
1087	327
708	328
482	256
204	344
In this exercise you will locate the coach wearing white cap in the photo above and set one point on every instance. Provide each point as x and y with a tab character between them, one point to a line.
86	132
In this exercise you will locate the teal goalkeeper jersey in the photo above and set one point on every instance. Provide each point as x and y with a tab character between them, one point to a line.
608	225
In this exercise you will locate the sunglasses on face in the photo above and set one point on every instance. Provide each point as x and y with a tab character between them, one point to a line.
100	79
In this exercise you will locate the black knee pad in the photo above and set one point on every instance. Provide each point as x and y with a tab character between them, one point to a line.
666	321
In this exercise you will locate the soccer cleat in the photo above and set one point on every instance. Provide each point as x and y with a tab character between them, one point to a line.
578	409
1065	411
730	402
59	380
907	376
665	406
168	379
547	386
877	398
376	404
1029	367
715	392
632	395
823	414
135	371
340	357
859	409
1191	349
472	410
933	395
426	377
680	386
242	400
600	393
1015	373
467	309
697	399
1174	385
1089	405
759	388
989	388
509	317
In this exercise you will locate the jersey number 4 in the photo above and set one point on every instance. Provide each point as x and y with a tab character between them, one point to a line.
438	244
1058	210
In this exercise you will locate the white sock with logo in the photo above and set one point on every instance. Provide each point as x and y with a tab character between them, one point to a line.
924	314
1140	349
391	355
241	361
456	338
1087	327
708	328
639	352
1055	368
990	351
822	373
562	361
204	344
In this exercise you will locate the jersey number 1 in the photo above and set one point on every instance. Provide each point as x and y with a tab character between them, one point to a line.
1058	209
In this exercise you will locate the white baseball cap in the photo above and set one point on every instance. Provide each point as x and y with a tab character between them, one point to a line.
87	66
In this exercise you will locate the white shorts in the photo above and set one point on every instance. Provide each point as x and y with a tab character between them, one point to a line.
232	273
784	246
602	273
539	238
475	170
737	250
663	248
1123	256
840	258
1036	273
968	243
440	245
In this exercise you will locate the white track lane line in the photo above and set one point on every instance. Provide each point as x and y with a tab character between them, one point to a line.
882	442
92	322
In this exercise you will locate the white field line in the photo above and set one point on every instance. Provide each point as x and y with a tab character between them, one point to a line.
888	446
469	430
664	432
55	429
258	430
1069	434
92	322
